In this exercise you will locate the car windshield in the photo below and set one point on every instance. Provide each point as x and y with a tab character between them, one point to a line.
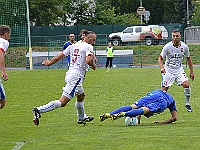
128	30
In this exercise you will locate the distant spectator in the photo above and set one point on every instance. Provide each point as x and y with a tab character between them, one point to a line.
109	54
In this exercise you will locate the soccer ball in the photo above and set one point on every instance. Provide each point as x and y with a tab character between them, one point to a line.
131	121
114	66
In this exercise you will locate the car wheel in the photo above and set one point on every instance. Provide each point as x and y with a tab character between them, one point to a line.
148	41
116	42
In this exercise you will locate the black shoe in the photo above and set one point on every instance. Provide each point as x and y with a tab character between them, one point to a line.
87	119
189	109
36	115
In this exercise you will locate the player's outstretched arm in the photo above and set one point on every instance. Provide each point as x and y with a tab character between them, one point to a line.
54	60
170	120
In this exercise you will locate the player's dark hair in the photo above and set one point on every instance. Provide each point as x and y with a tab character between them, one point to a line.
4	29
176	30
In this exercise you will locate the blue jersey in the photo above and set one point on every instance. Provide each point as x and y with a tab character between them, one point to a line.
65	46
157	101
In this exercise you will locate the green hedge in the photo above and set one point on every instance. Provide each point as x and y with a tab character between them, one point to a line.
148	55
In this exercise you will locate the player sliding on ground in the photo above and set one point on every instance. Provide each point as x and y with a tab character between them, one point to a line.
153	103
81	55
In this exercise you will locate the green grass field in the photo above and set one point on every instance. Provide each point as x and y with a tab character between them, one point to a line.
105	91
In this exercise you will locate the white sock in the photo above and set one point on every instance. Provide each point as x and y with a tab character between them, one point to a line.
50	106
80	110
187	93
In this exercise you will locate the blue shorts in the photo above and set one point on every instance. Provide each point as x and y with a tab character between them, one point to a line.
2	92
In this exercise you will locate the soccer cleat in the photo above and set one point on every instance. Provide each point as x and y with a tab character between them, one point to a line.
189	109
104	117
36	115
86	119
117	116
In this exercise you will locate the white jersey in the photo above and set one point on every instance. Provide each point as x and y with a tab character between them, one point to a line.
3	44
78	53
174	56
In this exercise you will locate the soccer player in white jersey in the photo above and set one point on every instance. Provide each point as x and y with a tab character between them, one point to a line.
82	35
81	55
174	52
4	44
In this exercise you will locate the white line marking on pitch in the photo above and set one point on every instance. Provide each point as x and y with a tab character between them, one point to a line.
108	70
18	145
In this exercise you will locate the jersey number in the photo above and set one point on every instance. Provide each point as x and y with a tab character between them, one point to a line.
75	55
177	55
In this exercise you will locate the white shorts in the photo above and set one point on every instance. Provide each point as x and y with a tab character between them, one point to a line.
2	92
170	76
73	85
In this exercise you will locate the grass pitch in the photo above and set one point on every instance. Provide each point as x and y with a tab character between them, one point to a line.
105	91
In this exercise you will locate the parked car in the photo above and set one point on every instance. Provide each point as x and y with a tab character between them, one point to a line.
150	34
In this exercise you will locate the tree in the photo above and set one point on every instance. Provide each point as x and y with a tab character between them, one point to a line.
195	21
13	13
181	10
83	12
47	12
104	14
129	19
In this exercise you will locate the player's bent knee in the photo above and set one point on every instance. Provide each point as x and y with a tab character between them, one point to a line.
146	110
81	97
2	104
186	84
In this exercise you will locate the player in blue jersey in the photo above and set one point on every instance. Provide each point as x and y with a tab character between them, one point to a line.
153	103
70	42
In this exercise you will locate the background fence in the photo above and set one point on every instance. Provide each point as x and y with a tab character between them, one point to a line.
51	39
42	35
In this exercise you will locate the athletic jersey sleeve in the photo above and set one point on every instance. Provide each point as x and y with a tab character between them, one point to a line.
89	51
4	45
65	45
187	52
66	52
172	106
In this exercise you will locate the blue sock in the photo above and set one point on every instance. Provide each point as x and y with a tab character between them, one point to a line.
121	109
134	112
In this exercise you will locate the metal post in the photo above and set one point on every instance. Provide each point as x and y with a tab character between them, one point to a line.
29	38
188	21
140	15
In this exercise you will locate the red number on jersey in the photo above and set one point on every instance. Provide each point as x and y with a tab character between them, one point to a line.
75	55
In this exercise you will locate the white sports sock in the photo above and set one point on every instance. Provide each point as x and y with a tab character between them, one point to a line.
80	110
50	106
187	93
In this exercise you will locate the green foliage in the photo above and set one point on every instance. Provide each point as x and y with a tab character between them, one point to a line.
103	12
196	17
13	13
59	130
47	12
82	12
129	18
147	55
181	8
